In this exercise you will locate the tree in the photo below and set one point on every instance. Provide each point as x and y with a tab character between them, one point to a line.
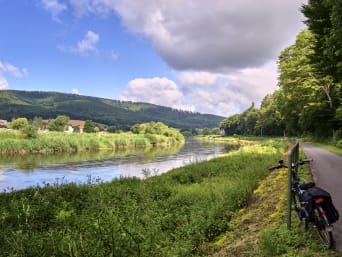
38	122
89	126
59	124
18	123
29	132
309	98
324	20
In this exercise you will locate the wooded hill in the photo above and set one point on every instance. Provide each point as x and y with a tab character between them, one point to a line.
30	104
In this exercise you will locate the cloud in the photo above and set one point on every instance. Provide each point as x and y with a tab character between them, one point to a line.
75	91
54	7
13	70
10	69
3	83
203	35
204	92
88	43
222	52
160	91
84	46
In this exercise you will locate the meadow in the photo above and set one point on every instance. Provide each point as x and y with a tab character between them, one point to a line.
175	214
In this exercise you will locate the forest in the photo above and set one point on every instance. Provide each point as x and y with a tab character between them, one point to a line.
308	101
121	114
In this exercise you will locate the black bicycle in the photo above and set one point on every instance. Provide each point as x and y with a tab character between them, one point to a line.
312	204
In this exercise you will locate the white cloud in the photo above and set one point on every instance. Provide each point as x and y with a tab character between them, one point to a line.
88	43
13	70
3	83
204	92
54	7
84	46
160	91
206	35
10	69
75	91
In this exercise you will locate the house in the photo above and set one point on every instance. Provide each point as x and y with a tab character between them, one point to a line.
76	123
3	123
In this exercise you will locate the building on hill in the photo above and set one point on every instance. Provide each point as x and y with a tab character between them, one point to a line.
76	123
3	123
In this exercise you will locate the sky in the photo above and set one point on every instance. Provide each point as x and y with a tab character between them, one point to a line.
204	56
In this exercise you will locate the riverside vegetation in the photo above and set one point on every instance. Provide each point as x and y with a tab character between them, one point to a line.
175	214
142	135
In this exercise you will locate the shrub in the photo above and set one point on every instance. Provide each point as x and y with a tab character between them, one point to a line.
29	132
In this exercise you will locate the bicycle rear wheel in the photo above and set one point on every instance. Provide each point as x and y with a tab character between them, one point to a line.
323	230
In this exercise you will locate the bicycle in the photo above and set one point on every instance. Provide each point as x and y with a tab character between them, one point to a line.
312	204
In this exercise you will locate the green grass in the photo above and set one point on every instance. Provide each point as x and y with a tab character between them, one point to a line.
174	214
50	142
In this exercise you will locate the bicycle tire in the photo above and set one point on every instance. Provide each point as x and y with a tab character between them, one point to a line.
325	236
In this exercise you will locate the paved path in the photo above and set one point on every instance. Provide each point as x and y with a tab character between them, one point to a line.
326	169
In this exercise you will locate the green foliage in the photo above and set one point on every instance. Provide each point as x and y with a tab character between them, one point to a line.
89	126
324	19
29	132
14	142
38	122
157	132
18	123
169	215
59	124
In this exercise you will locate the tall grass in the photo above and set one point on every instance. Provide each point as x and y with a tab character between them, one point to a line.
174	214
10	143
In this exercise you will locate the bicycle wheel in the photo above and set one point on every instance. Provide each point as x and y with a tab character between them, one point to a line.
298	209
324	232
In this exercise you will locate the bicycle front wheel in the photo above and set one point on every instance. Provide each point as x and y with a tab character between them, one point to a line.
324	231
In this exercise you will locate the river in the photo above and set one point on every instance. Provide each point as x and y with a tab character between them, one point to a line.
19	172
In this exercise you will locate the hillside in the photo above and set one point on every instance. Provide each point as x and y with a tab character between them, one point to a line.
14	103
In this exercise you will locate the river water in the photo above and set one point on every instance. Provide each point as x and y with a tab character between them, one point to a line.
19	172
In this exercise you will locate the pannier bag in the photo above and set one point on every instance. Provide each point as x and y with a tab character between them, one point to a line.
327	204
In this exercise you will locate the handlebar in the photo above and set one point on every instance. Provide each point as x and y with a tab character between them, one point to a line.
282	165
302	162
279	166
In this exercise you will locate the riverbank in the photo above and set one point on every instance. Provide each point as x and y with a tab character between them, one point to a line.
51	142
174	214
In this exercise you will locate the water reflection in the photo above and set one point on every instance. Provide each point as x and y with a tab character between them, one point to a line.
28	163
31	170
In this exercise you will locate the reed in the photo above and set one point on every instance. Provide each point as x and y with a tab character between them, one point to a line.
11	143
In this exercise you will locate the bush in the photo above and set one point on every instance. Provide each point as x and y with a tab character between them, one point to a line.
339	143
29	132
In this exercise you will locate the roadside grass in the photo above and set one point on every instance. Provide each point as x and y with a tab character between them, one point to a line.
260	229
178	213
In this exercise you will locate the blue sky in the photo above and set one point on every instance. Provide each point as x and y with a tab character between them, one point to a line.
206	56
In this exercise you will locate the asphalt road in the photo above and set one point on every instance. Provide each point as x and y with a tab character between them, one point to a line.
326	169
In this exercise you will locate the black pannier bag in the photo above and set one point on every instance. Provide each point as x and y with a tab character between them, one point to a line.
327	204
